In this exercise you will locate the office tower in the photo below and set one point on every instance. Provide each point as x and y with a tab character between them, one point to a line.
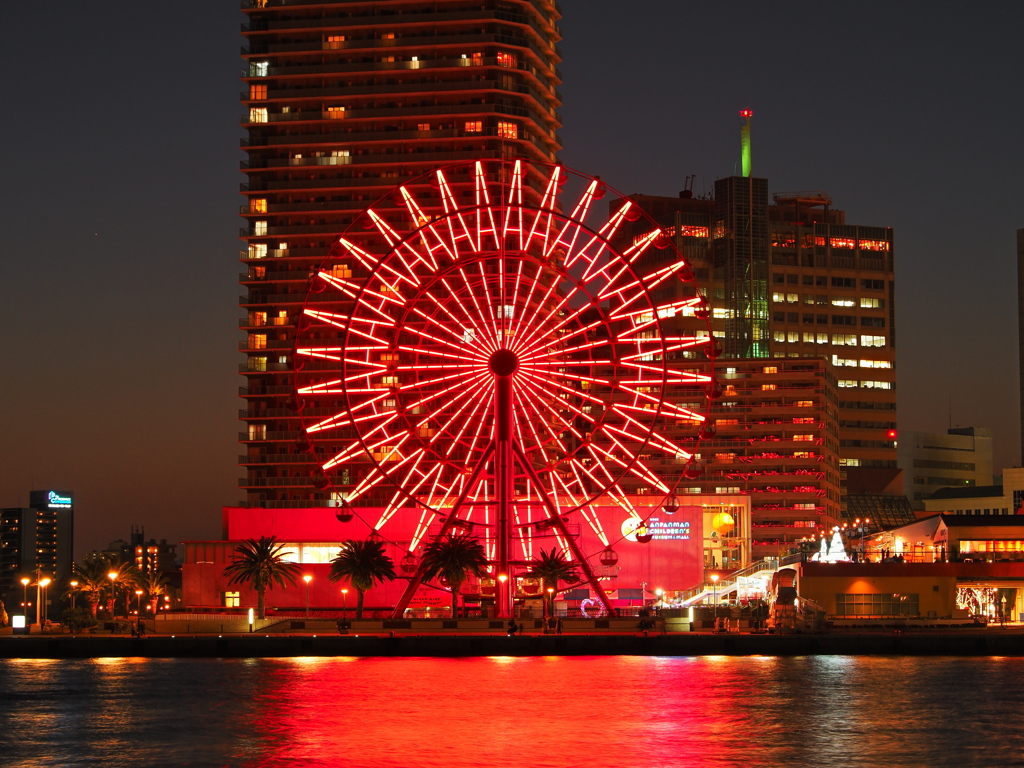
36	540
958	458
812	284
343	102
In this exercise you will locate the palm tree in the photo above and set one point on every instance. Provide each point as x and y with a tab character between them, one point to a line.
363	563
123	582
452	559
154	584
94	581
260	564
552	567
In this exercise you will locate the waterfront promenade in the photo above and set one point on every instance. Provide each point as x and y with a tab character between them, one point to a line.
968	642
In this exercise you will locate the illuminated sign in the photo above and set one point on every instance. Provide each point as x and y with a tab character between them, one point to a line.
55	501
662	530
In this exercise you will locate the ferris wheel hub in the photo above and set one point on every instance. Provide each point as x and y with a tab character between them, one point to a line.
503	362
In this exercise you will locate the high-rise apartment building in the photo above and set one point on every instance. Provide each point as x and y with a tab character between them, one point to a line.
343	102
806	284
36	540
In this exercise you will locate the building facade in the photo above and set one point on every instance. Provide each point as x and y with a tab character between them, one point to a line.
343	102
958	458
825	288
36	540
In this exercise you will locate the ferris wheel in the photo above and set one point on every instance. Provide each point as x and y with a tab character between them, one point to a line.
487	355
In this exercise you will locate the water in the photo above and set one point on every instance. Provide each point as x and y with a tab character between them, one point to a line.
598	712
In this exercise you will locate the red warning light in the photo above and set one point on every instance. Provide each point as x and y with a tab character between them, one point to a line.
746	113
891	434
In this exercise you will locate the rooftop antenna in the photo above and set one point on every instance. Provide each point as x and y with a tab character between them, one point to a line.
745	141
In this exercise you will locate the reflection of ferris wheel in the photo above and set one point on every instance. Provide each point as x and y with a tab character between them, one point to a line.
497	362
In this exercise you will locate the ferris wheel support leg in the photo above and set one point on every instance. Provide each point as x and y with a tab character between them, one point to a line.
417	578
564	530
504	488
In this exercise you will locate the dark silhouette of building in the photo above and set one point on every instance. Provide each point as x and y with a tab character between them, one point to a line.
36	540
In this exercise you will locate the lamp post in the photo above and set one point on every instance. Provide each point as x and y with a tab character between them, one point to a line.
74	588
307	578
504	609
714	588
344	608
112	575
24	603
138	612
549	609
43	583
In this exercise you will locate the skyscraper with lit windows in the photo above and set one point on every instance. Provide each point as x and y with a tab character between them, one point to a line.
343	101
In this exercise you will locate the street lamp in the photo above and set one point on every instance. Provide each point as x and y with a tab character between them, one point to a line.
714	587
74	587
549	608
43	583
112	575
344	607
504	609
138	612
307	578
24	603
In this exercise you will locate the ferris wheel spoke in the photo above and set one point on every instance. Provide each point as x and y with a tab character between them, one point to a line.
399	495
552	387
542	419
425	228
478	331
458	388
579	213
408	255
484	214
356	448
470	399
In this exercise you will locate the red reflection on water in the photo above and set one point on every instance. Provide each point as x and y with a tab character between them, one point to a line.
496	711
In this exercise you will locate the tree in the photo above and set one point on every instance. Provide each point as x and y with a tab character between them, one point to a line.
452	560
363	564
154	584
94	581
260	564
552	567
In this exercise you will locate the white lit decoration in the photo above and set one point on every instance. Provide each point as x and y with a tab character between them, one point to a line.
834	552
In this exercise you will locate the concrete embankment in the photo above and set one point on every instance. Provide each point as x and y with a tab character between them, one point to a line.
968	643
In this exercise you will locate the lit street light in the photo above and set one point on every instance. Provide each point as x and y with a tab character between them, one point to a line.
113	580
307	578
24	603
344	609
138	612
74	589
714	587
43	583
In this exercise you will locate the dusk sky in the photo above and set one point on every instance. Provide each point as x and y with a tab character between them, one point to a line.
120	137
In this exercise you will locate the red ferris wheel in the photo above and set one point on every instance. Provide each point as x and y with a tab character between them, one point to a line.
482	354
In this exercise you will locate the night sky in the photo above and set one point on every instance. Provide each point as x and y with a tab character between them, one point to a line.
119	183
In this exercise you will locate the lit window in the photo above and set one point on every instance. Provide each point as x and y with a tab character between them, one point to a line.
844	339
842	242
792	298
823	338
726	422
875	364
872	341
257	250
876	384
872	304
792	336
810	241
414	62
334	42
843	362
778	335
257	364
474	126
257	341
874	245
423	126
257	431
258	115
778	297
847	383
257	318
257	205
232	600
257	92
507	130
849	462
808	338
727	489
720	313
842	301
769	386
388	36
259	227
725	458
259	68
281	318
804	404
335	113
507	60
803	438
